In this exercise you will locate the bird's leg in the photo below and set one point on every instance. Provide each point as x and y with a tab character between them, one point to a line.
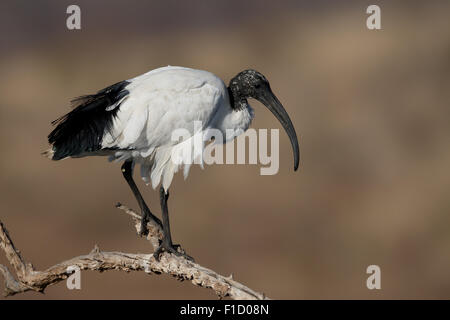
166	243
127	171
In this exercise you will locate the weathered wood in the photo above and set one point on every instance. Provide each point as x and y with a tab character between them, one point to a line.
30	279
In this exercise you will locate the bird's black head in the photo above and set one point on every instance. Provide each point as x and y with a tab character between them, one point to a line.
252	84
248	84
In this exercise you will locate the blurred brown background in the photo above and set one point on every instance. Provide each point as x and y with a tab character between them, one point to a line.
372	109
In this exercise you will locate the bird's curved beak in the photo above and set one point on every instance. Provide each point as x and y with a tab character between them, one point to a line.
274	105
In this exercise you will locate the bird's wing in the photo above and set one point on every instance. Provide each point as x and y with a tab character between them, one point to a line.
161	102
81	130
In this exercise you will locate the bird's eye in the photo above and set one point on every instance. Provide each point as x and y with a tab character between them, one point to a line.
258	85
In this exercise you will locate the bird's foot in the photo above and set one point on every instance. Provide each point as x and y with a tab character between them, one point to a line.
171	248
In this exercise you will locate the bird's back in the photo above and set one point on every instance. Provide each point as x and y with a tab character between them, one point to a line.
162	101
175	79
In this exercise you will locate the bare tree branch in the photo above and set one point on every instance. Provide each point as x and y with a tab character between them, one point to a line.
30	279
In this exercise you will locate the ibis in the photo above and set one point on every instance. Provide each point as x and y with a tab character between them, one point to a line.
132	121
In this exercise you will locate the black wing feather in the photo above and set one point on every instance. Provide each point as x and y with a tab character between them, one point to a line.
82	129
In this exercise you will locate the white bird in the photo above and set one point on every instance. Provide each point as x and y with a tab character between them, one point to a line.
133	121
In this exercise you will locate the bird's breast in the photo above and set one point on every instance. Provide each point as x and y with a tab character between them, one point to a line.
232	123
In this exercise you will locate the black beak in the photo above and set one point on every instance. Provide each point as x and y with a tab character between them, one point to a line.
274	105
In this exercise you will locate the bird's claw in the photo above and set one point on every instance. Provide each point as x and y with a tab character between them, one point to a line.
171	248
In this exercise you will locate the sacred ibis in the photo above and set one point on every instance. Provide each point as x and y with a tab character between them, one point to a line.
132	121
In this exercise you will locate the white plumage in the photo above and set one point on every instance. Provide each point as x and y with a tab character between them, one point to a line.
160	102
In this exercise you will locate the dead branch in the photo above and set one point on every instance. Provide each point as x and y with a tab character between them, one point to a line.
29	279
